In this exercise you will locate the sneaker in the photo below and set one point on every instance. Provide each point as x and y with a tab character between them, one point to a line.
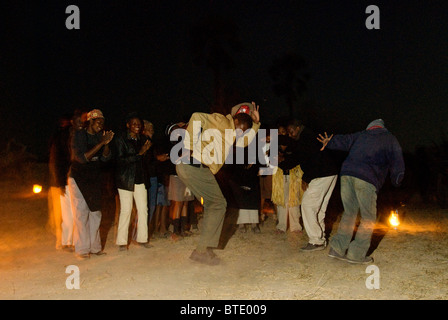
207	257
333	254
313	247
365	260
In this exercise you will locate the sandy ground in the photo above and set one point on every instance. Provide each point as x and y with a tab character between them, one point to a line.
412	262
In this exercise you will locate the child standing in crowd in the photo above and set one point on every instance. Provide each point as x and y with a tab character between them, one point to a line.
130	180
149	164
178	194
89	148
163	168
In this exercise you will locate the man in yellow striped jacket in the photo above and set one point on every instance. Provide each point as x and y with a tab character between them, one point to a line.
209	138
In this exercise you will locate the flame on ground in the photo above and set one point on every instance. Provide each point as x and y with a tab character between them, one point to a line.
37	188
393	220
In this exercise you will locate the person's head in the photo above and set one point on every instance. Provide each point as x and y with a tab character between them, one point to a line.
176	131
134	126
64	121
242	121
96	120
282	130
241	116
148	129
284	142
78	120
376	124
282	125
294	128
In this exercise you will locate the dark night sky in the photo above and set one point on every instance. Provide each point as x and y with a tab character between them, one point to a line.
134	55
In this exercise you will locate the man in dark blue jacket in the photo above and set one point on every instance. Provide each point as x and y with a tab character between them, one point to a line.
373	153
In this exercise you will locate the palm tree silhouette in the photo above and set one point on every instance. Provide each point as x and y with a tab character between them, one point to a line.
290	78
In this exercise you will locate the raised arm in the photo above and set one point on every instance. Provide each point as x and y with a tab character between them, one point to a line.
324	140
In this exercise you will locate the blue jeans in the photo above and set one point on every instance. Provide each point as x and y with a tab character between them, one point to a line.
358	196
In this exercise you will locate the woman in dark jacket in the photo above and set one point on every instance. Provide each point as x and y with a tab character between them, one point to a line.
130	180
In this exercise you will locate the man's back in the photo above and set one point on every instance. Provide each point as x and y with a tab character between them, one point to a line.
372	154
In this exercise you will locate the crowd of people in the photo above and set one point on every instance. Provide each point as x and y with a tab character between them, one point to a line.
165	190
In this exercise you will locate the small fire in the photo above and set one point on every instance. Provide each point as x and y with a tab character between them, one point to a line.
37	188
394	220
202	201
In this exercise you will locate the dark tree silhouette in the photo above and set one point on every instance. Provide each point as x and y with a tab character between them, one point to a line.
290	78
213	41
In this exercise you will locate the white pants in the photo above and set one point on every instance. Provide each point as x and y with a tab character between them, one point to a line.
86	236
61	215
126	203
314	205
283	213
67	218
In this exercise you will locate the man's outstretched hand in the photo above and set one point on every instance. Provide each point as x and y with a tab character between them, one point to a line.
324	140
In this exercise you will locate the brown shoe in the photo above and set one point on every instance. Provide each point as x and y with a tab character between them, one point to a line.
145	245
207	257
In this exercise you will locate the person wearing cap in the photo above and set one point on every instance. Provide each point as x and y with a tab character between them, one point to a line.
198	171
372	154
89	149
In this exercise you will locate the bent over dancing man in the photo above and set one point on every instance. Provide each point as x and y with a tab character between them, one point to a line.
198	172
372	154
